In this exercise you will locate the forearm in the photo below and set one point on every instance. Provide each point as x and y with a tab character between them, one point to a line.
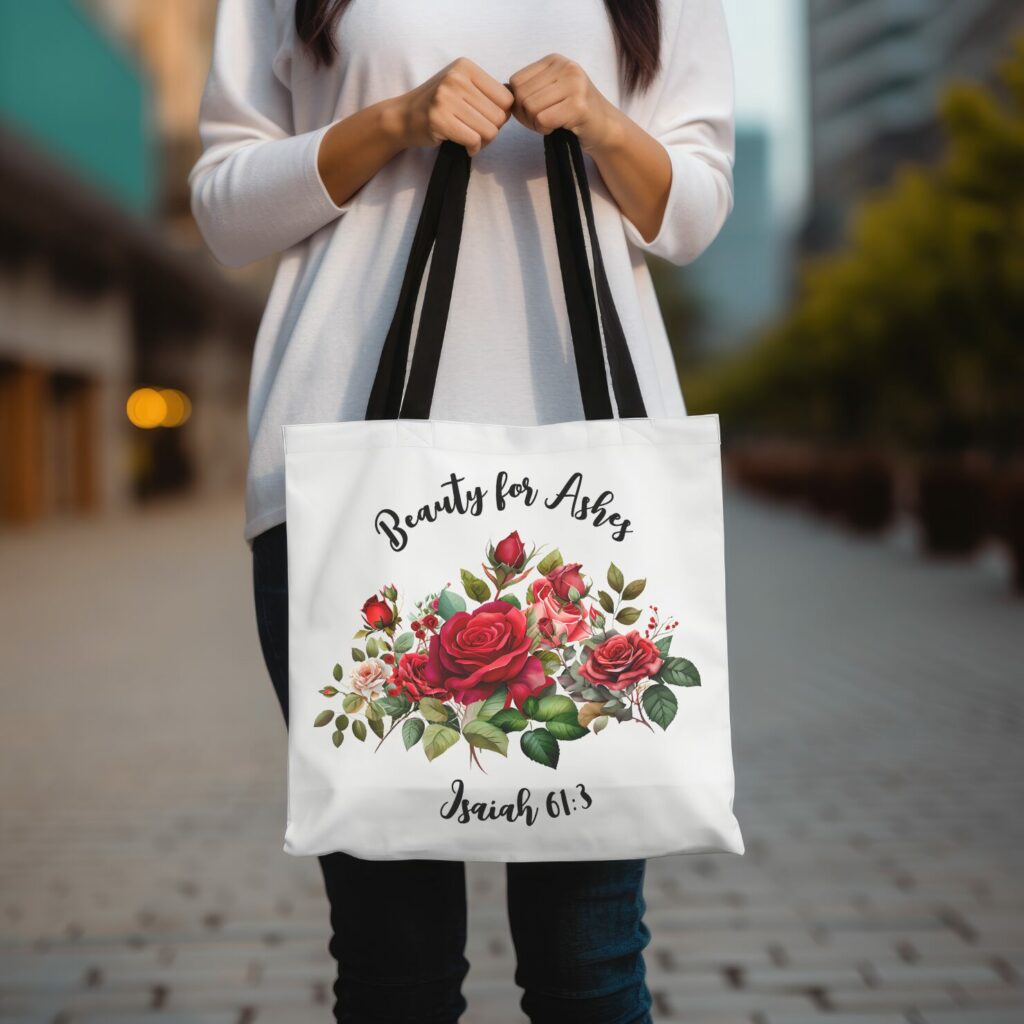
636	169
357	147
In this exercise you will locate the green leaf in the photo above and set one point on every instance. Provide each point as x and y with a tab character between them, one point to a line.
373	713
493	704
338	737
393	706
607	601
509	720
510	599
600	723
660	704
449	604
377	727
475	587
323	718
566	727
338	672
627	616
678	672
663	645
433	710
633	590
412	730
530	706
552	707
540	746
485	736
404	643
552	560
371	647
352	702
437	739
615	578
551	662
341	723
358	655
472	710
359	729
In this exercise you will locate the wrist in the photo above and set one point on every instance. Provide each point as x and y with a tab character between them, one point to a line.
612	134
393	122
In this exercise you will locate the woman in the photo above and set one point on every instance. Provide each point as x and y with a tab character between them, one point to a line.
319	125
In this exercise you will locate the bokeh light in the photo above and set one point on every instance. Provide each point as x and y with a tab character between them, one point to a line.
148	408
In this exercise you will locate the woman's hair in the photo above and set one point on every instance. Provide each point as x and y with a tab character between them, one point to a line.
636	23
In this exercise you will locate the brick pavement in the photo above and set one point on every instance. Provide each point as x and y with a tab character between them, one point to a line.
878	704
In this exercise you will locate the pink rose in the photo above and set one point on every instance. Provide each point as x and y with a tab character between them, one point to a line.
410	678
476	652
620	661
559	623
368	677
567	577
511	551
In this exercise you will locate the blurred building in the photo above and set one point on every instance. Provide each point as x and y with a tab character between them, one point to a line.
102	286
877	69
740	283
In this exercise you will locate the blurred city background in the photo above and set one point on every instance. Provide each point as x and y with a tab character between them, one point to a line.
859	326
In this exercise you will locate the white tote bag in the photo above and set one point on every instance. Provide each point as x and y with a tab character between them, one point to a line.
507	643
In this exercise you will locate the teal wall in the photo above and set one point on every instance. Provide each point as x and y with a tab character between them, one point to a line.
66	86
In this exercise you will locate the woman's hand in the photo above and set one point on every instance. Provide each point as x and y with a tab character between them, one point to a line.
555	92
461	103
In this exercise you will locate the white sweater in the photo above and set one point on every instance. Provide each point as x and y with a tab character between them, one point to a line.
507	356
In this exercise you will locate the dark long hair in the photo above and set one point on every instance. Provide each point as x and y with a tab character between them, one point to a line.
636	23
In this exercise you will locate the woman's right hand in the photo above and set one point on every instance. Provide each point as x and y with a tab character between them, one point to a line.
461	103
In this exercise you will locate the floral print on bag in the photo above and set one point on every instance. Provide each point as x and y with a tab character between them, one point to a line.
542	658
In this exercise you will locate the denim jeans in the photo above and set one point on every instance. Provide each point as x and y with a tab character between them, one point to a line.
399	927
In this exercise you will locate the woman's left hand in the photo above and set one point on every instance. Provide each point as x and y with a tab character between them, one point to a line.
555	92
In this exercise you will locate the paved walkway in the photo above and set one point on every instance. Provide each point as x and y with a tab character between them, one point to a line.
879	703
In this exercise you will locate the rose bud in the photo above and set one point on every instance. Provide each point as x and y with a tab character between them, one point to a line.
329	691
511	551
377	613
565	578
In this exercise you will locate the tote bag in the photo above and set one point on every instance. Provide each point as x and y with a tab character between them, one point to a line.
507	643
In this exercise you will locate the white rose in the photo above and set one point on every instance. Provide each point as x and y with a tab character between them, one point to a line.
368	677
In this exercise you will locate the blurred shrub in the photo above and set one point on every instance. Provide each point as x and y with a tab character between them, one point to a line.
913	334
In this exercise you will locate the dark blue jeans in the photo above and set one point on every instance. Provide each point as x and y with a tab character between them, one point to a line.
399	927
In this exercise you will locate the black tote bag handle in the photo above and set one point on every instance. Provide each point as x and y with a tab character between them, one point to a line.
587	295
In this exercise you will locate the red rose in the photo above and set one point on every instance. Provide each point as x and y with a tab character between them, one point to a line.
476	652
620	661
409	678
377	613
511	551
558	622
567	577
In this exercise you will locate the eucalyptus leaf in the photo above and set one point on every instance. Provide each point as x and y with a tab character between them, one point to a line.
404	643
371	647
449	604
338	737
627	616
633	590
323	718
338	672
607	601
600	723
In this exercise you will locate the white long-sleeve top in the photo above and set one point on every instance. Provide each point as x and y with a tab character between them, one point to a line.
507	354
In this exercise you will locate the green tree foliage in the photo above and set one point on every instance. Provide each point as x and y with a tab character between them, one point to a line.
913	333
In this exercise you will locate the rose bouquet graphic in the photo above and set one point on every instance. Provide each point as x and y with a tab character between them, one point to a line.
535	655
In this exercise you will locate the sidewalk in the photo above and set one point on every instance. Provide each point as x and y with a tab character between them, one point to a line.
879	709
